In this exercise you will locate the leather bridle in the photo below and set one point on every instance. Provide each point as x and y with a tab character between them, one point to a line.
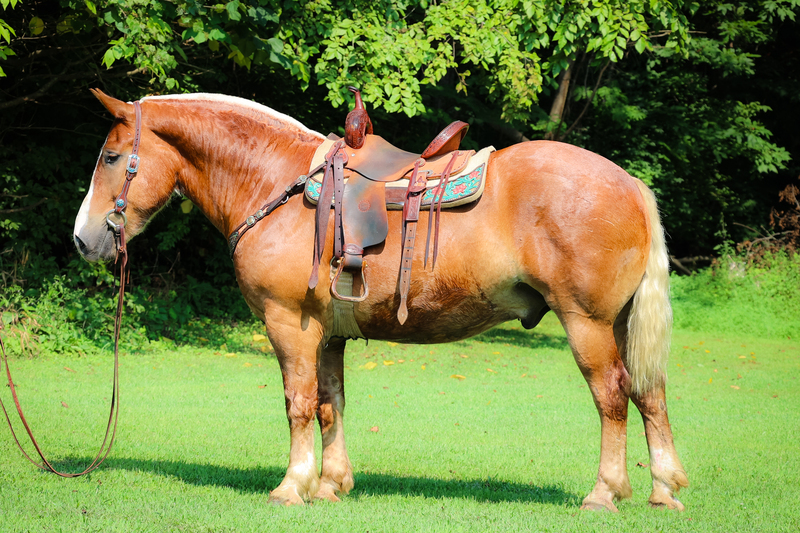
130	172
120	204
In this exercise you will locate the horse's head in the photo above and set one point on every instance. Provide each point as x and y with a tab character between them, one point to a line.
149	190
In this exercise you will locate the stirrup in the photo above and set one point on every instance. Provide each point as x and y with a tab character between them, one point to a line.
352	299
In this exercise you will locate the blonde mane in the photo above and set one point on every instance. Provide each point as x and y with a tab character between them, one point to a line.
247	107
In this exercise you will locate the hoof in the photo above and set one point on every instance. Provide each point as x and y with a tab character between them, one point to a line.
672	503
326	492
285	497
599	505
663	496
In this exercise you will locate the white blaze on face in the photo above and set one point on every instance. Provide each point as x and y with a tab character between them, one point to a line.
83	214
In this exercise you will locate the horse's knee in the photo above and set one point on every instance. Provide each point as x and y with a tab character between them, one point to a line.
301	408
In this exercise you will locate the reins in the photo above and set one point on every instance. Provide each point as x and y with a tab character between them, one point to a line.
122	259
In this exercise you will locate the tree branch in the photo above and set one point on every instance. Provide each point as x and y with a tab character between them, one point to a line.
21	209
557	109
678	266
588	102
63	76
34	95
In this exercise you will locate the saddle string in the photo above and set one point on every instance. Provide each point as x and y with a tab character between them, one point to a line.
120	204
436	202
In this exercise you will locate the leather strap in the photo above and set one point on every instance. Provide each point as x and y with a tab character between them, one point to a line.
295	188
416	187
436	203
338	195
111	426
323	212
120	204
133	161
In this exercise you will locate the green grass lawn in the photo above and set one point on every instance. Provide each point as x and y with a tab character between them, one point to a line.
513	446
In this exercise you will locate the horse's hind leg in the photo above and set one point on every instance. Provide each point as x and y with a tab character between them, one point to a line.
595	350
337	473
665	467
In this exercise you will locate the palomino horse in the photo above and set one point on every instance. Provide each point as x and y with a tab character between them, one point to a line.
557	228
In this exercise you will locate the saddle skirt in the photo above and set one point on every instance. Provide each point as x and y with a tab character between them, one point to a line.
465	185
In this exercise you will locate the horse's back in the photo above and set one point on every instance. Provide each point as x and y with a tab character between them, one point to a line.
563	176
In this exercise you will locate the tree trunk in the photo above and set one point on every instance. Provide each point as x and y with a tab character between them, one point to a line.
557	109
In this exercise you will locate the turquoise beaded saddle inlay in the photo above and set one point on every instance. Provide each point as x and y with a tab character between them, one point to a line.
459	190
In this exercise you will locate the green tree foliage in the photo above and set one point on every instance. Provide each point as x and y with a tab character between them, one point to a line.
504	48
691	124
391	48
6	32
697	98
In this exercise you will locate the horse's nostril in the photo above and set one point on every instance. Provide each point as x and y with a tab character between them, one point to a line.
81	245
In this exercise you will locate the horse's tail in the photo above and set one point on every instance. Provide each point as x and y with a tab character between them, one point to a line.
650	318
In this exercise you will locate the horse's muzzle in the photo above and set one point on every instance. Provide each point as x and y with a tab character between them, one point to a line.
81	246
96	245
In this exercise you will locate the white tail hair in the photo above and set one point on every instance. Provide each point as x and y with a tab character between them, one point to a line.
650	318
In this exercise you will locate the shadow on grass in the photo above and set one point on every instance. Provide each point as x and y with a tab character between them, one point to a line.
480	490
262	480
523	339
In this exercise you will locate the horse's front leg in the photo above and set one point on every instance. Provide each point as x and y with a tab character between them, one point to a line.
297	347
337	473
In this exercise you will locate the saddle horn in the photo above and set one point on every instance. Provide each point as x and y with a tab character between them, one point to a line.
357	124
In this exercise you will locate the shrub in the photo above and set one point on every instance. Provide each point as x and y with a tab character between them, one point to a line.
61	314
742	293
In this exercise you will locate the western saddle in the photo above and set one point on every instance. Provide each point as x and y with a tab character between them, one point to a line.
356	171
359	205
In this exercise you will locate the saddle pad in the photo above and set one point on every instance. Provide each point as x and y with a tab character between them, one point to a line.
462	188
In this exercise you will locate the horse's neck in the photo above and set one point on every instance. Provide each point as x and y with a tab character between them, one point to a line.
237	158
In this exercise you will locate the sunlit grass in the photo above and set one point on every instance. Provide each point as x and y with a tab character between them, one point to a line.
511	443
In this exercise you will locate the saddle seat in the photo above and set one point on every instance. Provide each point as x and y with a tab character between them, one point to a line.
392	167
379	160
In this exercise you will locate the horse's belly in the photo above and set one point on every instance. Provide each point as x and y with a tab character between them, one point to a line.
449	311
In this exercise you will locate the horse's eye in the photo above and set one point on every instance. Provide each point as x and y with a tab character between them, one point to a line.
111	158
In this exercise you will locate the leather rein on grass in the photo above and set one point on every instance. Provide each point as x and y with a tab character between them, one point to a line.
122	259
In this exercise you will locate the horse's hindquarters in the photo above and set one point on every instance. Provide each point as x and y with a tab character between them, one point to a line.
578	224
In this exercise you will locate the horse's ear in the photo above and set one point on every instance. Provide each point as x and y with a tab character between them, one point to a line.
118	108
